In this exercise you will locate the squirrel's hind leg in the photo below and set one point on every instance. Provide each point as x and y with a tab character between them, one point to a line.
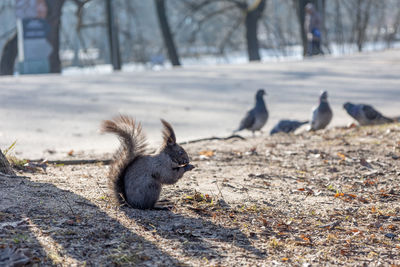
143	193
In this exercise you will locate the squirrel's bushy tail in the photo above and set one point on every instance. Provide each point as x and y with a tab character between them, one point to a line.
133	145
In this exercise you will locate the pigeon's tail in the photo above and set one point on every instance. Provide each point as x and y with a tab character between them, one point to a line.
389	120
396	119
237	130
304	122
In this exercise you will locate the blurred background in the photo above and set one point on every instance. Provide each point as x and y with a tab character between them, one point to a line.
137	34
51	115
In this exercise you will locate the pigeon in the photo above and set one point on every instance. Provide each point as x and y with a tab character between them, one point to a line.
255	118
287	126
365	114
322	114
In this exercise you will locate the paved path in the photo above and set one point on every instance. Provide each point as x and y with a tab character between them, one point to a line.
63	113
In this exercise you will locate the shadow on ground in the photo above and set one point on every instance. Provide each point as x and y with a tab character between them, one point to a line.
56	226
198	236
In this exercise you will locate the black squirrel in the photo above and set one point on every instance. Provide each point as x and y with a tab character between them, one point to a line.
135	176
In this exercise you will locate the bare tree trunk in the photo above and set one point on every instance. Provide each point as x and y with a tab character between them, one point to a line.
396	25
380	9
253	14
166	32
362	22
5	166
8	56
54	19
113	36
357	33
300	4
325	37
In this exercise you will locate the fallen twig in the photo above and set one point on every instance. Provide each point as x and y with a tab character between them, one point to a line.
214	138
331	226
75	162
108	161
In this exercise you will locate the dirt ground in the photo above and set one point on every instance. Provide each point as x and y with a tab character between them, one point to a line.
324	198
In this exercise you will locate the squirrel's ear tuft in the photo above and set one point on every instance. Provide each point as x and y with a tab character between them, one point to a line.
168	133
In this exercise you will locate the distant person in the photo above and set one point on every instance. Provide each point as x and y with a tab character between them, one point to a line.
312	27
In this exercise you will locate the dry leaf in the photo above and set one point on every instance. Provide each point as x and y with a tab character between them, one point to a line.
341	156
207	153
344	252
369	182
305	238
265	222
331	236
363	200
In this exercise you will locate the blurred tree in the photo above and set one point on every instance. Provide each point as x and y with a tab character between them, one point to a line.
166	32
338	22
251	12
394	29
199	20
8	56
113	36
91	25
134	46
217	28
362	17
54	19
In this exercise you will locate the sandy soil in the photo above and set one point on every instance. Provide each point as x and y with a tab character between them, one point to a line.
325	198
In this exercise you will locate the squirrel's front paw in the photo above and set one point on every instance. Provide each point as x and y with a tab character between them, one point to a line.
188	167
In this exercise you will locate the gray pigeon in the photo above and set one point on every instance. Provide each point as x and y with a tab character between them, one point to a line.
365	114
287	126
322	114
255	118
